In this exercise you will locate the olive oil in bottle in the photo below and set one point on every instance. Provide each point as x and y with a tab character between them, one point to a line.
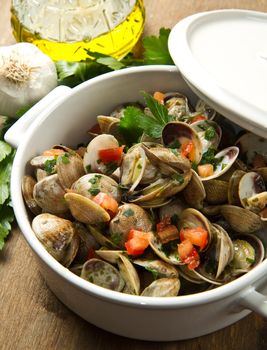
65	29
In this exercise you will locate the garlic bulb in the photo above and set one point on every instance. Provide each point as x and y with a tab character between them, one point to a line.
26	75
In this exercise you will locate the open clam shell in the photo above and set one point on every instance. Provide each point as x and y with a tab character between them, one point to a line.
129	275
168	254
249	251
102	274
85	210
27	185
175	134
216	191
209	133
176	104
91	160
233	187
250	145
158	268
252	192
227	158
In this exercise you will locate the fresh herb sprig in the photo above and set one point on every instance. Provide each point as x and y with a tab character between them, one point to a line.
134	122
6	159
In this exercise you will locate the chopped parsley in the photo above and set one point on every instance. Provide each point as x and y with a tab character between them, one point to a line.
88	168
111	167
49	165
65	158
155	273
210	133
94	191
250	260
179	178
175	144
128	212
209	158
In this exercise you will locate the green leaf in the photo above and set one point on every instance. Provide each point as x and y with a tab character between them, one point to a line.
4	192
23	110
156	48
5	150
5	168
105	60
7	217
158	110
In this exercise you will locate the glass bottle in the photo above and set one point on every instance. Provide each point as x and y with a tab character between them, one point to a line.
63	29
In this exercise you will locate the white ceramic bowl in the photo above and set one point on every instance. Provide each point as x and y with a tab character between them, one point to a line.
64	116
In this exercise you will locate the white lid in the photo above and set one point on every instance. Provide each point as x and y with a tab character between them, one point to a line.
223	57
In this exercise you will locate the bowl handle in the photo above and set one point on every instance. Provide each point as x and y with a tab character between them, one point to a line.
254	301
16	132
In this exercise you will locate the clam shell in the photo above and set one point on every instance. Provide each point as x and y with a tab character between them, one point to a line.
233	191
163	287
129	275
216	191
252	193
194	193
157	267
102	274
49	195
69	168
240	219
85	210
58	237
228	156
28	183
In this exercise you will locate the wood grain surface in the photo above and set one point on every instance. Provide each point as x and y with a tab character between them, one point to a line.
31	317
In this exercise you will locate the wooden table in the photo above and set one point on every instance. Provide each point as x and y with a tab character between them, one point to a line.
31	317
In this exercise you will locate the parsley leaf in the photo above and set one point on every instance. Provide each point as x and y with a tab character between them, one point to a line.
156	48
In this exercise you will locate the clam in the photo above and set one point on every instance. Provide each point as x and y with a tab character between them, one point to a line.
157	267
58	237
192	218
194	193
176	134
209	133
250	146
49	195
165	160
133	167
240	219
91	161
163	287
233	192
85	210
129	216
41	162
248	252
216	191
28	183
252	192
111	256
226	158
110	125
102	274
69	168
160	190
204	109
176	104
167	252
129	275
90	185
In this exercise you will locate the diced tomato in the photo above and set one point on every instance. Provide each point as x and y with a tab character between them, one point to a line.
109	155
159	96
205	170
53	152
197	236
197	118
188	254
106	202
188	150
137	242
